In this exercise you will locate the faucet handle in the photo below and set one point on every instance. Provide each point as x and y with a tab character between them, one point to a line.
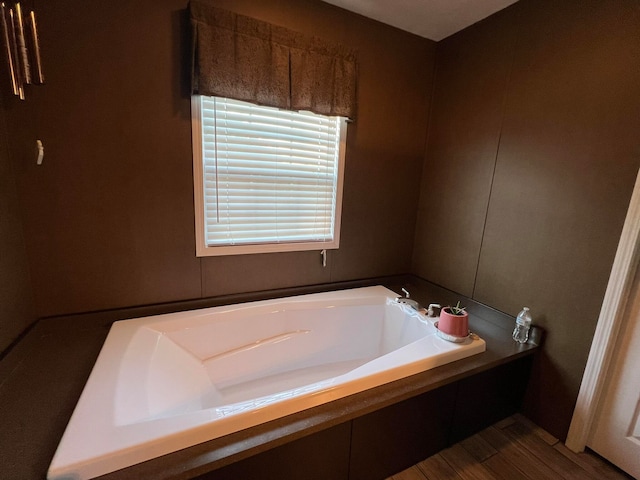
406	292
430	312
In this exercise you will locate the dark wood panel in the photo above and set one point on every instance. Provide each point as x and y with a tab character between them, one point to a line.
553	89
488	397
395	437
464	131
109	216
16	296
322	456
566	167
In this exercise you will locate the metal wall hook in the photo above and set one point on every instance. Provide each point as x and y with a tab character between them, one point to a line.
40	152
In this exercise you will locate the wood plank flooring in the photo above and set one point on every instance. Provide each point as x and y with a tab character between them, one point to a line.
513	449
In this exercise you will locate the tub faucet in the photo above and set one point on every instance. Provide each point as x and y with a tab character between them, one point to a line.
409	301
430	311
416	306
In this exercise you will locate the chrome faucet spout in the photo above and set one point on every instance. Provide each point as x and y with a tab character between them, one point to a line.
410	302
430	312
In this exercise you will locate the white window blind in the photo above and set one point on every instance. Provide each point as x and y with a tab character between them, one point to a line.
270	178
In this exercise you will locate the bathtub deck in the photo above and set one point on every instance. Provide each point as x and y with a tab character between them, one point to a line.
164	383
43	375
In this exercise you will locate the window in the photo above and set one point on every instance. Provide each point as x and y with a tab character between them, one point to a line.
266	180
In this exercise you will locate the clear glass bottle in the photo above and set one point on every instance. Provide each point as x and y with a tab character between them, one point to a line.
523	324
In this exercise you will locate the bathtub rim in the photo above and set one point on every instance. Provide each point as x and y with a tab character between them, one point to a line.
45	413
223	451
161	444
492	325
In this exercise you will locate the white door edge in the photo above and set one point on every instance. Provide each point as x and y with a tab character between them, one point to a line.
608	327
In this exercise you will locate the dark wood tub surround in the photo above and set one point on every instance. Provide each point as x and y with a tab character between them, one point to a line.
46	372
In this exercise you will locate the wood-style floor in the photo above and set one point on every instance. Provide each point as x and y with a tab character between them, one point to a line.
512	449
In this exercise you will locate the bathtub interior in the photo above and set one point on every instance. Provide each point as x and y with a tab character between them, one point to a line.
167	382
175	367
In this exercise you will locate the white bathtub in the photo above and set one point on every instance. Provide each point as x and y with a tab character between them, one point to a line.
168	382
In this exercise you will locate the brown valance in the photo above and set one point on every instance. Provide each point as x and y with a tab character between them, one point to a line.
239	57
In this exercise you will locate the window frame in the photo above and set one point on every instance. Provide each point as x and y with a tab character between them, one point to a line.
204	250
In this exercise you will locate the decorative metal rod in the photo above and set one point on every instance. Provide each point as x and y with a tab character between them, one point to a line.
14	52
22	45
36	47
7	43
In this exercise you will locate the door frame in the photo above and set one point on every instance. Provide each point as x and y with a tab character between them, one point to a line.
609	324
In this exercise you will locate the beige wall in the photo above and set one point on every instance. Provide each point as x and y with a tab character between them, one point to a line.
535	119
109	215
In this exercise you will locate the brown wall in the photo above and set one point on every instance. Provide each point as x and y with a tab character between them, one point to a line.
16	300
109	215
536	116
